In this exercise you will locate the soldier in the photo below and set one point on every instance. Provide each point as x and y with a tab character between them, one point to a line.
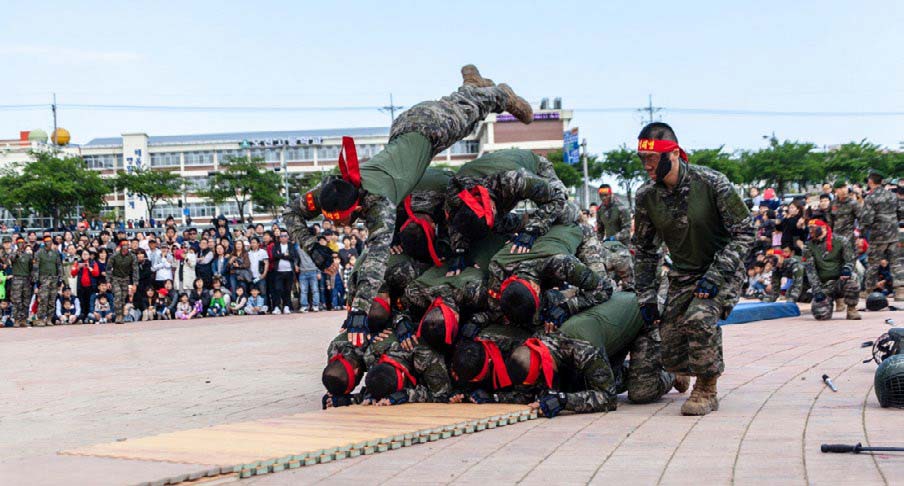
374	191
21	288
421	222
879	222
829	264
48	272
785	264
708	231
124	275
613	221
845	211
401	376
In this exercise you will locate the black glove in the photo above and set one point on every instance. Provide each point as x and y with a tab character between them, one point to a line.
846	272
404	329
398	398
322	256
469	330
458	262
704	286
508	224
552	403
340	400
555	315
481	396
649	313
819	297
525	239
356	323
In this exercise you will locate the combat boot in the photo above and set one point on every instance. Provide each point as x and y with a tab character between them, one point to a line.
682	383
471	77
899	294
853	314
517	106
703	399
37	323
839	305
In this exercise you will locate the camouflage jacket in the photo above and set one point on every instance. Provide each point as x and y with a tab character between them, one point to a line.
427	366
843	216
467	297
584	374
793	269
822	266
614	221
379	214
709	240
880	216
22	264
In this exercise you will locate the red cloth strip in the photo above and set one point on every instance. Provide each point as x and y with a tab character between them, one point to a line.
349	372
401	372
540	359
660	147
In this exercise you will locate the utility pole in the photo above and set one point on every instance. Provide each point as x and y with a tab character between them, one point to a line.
53	107
391	108
586	174
650	109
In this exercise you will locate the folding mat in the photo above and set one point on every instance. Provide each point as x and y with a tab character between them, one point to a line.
271	445
760	311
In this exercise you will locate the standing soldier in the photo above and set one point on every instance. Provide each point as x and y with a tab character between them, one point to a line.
845	210
21	289
48	273
880	224
613	220
708	231
829	263
124	274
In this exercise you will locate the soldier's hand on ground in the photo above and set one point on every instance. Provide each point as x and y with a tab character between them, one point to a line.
404	331
383	335
456	264
395	250
457	398
650	314
549	327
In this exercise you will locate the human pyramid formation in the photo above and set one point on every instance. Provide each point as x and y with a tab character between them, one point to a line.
461	298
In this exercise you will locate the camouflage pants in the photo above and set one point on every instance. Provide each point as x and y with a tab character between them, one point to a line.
451	118
120	295
591	252
878	252
620	262
20	292
691	337
47	297
835	289
646	380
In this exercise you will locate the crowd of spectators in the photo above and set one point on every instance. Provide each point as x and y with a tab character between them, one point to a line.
182	272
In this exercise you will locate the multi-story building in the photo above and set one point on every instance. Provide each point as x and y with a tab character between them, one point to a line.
194	157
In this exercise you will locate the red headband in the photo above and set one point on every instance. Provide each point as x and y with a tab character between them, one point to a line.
515	278
543	360
660	147
482	208
605	190
382	303
401	372
351	172
448	317
428	230
491	354
822	224
349	371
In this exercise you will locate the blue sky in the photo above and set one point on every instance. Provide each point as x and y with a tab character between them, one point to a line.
837	56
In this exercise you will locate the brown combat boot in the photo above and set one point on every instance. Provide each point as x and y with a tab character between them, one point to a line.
839	305
471	76
703	398
682	383
517	106
37	323
852	314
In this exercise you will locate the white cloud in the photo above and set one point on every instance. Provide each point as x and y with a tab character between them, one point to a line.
68	54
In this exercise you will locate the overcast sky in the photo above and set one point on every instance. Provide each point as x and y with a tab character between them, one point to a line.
766	56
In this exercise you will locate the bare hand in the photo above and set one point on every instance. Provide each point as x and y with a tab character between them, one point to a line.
408	344
457	398
452	273
383	335
395	250
549	327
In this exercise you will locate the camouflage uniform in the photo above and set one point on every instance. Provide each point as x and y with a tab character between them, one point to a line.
791	268
48	270
823	270
21	287
124	272
439	124
433	383
880	222
843	215
614	230
708	231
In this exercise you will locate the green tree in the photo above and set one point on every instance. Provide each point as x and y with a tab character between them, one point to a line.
52	186
244	181
623	164
783	163
853	161
153	186
720	161
572	174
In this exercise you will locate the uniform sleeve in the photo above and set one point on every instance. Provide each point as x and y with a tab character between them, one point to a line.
847	255
810	269
515	395
135	270
736	218
867	214
430	368
592	289
548	196
646	258
296	216
624	225
380	222
600	227
593	364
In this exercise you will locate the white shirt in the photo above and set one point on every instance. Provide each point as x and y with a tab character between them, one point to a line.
284	265
256	257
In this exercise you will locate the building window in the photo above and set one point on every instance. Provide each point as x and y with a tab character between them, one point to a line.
201	157
296	154
164	159
103	162
195	184
465	147
328	154
224	156
269	154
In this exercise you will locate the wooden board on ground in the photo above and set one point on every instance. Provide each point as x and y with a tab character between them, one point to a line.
311	434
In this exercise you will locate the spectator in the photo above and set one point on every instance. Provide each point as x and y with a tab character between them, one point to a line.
184	309
218	306
284	258
308	277
199	295
256	304
86	273
259	260
68	308
240	267
237	306
163	270
162	305
220	265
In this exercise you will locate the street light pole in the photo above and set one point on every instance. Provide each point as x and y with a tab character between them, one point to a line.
586	174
